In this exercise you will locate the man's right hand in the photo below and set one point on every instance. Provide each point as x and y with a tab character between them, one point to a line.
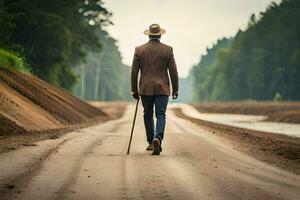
135	95
175	95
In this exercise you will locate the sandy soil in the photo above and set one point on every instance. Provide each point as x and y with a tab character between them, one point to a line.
276	149
114	109
32	110
252	122
275	111
91	164
28	103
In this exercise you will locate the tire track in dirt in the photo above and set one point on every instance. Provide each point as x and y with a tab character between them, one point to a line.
194	164
23	181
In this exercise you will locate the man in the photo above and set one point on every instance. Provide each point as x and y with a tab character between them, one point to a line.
154	59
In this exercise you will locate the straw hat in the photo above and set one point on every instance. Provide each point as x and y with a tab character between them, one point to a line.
154	29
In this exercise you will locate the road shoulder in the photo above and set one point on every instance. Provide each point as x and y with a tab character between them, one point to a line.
279	150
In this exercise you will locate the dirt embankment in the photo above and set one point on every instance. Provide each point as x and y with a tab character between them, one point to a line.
288	112
33	109
114	109
280	150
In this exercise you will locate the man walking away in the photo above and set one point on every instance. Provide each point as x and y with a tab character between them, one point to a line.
154	59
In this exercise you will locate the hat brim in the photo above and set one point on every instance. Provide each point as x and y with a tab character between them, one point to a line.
147	32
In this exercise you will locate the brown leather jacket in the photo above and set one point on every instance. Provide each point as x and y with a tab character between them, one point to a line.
154	59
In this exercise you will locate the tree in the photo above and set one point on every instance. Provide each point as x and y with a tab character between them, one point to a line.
259	62
53	35
104	76
204	72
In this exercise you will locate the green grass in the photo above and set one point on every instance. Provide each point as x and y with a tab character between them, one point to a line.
9	60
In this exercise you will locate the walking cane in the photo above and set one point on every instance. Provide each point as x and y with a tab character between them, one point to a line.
136	108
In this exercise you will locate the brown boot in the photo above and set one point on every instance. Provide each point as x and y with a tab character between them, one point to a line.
150	147
156	146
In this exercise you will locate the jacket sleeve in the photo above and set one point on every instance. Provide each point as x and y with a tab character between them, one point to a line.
173	72
134	71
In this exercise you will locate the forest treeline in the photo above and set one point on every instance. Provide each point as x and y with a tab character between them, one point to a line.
103	76
51	39
260	63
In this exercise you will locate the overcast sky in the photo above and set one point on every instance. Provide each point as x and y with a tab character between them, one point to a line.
191	25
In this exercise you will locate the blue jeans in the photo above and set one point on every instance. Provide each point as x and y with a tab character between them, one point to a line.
160	103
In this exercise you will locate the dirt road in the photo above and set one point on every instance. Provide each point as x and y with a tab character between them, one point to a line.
91	164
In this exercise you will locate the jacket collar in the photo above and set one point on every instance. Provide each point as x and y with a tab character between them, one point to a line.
154	40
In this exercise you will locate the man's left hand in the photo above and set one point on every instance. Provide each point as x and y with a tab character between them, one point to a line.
135	95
